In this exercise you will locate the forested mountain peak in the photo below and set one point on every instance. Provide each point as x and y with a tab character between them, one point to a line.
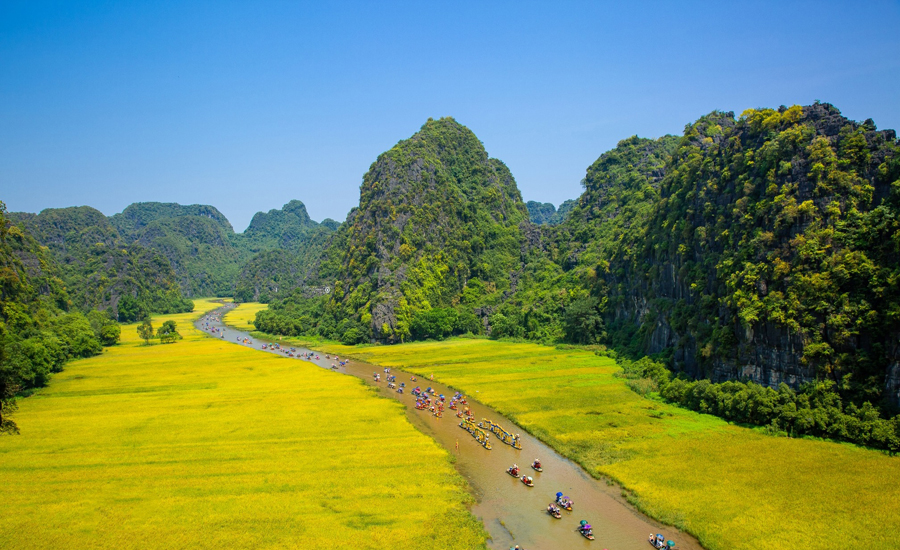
140	214
294	210
285	228
622	177
287	243
64	228
436	216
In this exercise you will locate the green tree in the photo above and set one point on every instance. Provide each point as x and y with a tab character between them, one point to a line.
105	326
7	407
168	332
145	331
130	309
583	321
110	334
352	336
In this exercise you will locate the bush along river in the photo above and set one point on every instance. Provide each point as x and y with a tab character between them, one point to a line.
512	512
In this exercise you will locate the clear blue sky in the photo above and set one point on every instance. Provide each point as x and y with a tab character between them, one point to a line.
248	105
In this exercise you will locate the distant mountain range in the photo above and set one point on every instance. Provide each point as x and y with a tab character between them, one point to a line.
162	254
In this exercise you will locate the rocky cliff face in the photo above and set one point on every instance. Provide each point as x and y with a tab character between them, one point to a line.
772	253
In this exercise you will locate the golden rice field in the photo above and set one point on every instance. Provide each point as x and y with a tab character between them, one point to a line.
204	444
733	487
242	317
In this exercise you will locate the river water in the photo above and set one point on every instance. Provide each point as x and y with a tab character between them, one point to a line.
511	512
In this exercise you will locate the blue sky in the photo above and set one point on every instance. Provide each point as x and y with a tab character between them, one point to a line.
246	105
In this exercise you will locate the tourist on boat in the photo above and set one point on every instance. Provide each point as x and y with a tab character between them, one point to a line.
514	470
536	463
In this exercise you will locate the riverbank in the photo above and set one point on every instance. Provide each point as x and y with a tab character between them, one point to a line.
733	487
206	445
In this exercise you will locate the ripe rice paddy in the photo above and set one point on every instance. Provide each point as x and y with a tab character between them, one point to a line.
205	444
733	487
242	317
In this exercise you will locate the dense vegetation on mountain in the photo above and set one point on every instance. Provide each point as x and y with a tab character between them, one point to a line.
99	270
291	245
268	276
198	241
132	221
438	227
289	228
37	336
546	213
155	253
562	293
772	253
210	259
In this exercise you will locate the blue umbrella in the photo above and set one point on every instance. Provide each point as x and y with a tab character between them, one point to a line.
558	495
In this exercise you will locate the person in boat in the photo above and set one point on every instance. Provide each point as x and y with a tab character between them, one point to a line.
536	463
514	470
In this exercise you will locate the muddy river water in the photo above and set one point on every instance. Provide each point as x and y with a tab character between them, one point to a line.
512	512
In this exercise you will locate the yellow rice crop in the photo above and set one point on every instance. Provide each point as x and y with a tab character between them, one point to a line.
242	317
733	487
204	444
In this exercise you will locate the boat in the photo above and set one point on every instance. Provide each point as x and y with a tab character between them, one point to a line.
528	481
555	512
515	474
564	501
585	530
659	542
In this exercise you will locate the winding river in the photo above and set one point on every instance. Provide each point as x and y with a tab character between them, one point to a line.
511	512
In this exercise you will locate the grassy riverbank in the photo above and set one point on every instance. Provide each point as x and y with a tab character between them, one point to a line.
205	444
733	487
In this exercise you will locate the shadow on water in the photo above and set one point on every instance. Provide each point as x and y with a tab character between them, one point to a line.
511	512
